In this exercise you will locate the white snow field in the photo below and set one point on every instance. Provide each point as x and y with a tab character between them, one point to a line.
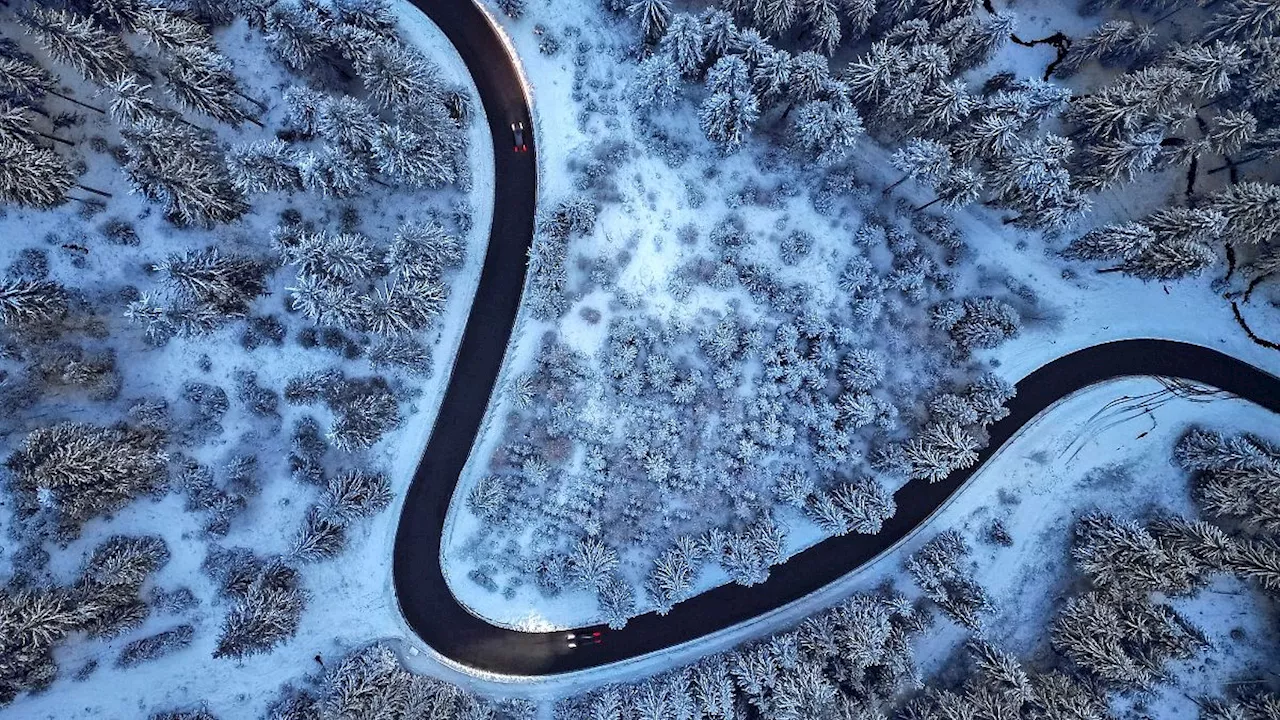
351	599
643	229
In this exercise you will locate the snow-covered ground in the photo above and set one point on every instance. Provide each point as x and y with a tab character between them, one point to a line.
1075	308
1106	447
351	597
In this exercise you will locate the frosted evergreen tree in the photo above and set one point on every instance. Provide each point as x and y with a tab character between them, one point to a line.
264	166
719	32
870	77
373	15
362	421
810	75
729	74
657	82
927	161
775	17
33	176
1112	40
295	33
751	45
591	564
181	166
26	303
411	158
303	108
1244	20
226	282
823	20
617	602
201	80
333	172
685	44
944	106
652	15
728	118
423	250
1231	131
827	130
346	258
403	306
346	122
93	51
172	32
321	537
671	579
130	101
1252	210
960	187
862	369
396	75
857	15
267	601
772	75
1213	67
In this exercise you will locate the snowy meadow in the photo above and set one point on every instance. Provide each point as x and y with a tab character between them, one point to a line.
790	255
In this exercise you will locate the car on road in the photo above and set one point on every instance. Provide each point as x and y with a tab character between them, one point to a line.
582	638
517	135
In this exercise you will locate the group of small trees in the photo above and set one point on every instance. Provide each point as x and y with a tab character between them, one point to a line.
75	471
348	496
103	602
205	289
266	600
952	437
336	276
364	409
848	661
370	682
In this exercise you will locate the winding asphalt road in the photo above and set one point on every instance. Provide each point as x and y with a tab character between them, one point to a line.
424	596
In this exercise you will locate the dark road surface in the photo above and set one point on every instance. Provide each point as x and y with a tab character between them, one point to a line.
424	596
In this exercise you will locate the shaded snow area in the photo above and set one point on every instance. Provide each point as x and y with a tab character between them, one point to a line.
1107	449
231	403
719	355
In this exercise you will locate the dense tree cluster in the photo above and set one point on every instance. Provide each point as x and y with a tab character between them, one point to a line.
71	472
370	682
349	282
849	661
266	600
363	408
103	602
938	569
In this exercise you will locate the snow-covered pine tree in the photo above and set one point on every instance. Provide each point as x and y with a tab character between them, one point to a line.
728	118
321	536
657	82
227	283
201	80
295	33
422	250
79	41
403	306
303	109
653	17
928	161
347	122
333	172
395	75
29	303
411	158
685	44
179	165
1252	210
33	176
130	102
171	31
264	166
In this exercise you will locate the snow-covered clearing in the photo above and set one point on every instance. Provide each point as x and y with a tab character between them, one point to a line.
351	597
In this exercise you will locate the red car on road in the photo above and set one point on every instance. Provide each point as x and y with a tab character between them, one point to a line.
517	134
